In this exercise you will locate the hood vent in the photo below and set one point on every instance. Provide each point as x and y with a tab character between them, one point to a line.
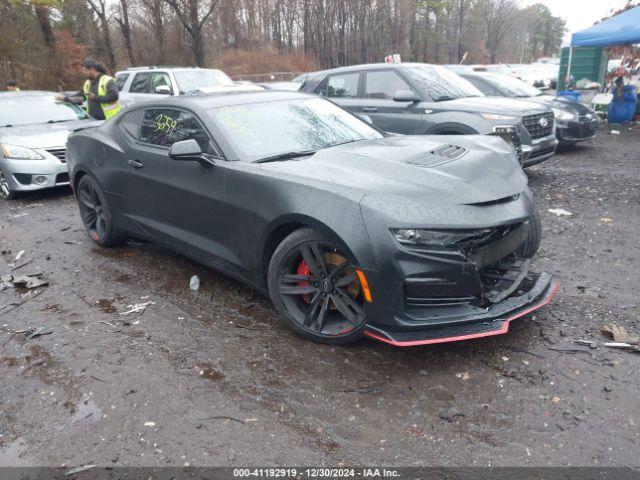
449	151
437	156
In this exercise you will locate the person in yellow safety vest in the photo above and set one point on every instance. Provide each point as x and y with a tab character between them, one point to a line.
12	86
99	93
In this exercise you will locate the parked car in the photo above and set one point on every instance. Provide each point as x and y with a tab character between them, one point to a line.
431	243
419	99
147	83
575	122
33	132
286	86
456	68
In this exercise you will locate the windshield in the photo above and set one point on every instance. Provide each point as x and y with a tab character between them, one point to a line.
441	84
511	86
262	130
24	110
195	79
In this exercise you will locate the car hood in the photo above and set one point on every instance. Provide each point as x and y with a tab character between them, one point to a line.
496	105
43	135
231	88
560	103
415	167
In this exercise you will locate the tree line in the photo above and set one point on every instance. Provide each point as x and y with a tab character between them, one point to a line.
43	41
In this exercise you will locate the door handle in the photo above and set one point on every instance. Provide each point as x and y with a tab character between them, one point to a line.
369	109
135	163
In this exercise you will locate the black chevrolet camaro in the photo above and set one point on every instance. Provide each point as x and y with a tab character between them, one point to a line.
406	239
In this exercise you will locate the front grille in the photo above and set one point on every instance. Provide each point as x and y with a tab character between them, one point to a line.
539	125
59	153
62	178
584	129
510	135
503	279
467	283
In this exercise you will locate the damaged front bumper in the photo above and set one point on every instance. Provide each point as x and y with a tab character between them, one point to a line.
425	295
495	320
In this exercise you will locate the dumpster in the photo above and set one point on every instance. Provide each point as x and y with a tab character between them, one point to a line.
587	62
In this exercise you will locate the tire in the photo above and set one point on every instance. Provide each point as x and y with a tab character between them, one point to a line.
96	214
316	290
534	235
5	192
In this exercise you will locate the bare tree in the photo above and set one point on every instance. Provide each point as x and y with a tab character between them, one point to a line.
499	17
44	19
193	14
100	9
154	14
125	27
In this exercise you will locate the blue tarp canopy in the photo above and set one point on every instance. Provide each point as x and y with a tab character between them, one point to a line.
621	29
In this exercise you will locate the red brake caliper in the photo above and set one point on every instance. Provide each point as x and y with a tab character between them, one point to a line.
303	269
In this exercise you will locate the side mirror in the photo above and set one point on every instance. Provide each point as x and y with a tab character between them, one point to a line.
405	96
186	151
366	118
163	89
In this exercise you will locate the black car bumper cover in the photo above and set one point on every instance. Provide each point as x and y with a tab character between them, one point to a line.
495	320
572	132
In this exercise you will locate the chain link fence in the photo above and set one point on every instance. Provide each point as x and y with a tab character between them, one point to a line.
267	77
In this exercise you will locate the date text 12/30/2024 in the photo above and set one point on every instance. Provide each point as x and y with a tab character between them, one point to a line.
315	473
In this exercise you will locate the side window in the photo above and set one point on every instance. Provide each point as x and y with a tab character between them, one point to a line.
166	126
131	122
121	79
141	83
337	86
384	84
160	79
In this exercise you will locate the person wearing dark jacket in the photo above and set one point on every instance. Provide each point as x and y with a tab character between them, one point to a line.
99	94
12	86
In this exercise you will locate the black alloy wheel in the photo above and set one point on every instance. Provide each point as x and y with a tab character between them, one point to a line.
317	289
95	213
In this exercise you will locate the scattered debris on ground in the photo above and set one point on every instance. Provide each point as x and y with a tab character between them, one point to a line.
33	280
76	470
194	283
37	332
450	414
620	334
560	212
136	308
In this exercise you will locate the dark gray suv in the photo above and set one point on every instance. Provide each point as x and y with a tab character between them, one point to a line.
419	99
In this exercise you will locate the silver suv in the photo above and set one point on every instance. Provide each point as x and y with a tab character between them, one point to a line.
146	83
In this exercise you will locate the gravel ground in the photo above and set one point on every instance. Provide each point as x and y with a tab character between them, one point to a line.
212	378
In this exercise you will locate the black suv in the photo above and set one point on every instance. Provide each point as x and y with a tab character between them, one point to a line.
419	99
575	122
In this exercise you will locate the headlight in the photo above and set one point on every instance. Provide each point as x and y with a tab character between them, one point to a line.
562	114
494	116
437	238
19	153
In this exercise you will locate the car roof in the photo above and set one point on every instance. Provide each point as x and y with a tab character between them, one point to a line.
153	68
226	99
478	74
369	66
27	93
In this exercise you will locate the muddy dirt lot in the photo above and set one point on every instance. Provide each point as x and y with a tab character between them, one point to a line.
212	378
